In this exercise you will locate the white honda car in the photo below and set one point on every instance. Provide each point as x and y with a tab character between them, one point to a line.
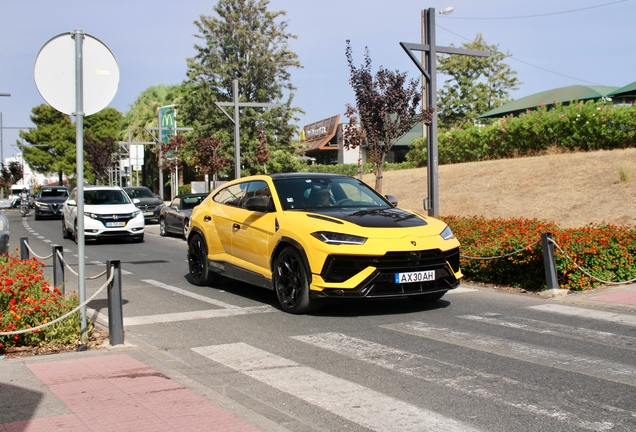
108	213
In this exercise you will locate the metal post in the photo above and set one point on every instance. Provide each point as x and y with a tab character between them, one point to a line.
79	148
24	251
58	268
431	140
237	140
115	312
549	262
160	154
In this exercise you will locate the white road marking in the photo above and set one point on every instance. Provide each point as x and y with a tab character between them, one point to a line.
190	294
587	313
526	397
195	315
552	329
591	366
349	400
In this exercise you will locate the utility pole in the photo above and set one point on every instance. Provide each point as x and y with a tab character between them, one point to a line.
431	203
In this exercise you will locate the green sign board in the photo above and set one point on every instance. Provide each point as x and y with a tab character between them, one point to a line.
168	123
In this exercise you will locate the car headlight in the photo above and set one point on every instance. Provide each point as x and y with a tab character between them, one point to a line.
91	215
136	213
447	234
40	204
338	238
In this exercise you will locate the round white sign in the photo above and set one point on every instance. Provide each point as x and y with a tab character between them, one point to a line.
54	74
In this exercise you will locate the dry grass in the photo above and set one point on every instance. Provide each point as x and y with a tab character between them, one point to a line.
572	189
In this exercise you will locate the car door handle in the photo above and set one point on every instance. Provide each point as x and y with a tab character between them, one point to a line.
236	226
207	218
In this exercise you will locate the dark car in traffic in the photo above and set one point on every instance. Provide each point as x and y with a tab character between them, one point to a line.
175	218
49	200
149	204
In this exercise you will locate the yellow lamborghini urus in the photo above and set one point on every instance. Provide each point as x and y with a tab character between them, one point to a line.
315	236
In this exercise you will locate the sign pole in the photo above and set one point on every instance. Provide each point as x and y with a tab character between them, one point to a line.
78	35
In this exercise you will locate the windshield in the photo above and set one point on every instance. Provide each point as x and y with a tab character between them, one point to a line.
110	196
53	192
139	193
335	192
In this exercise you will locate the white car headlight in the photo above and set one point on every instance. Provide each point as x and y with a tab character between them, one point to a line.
41	204
136	213
338	238
447	234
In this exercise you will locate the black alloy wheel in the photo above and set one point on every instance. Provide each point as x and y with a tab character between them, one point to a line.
198	262
291	282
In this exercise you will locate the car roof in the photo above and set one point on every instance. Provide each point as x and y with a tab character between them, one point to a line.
135	187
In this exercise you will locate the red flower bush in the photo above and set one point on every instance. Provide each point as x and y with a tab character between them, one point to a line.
605	251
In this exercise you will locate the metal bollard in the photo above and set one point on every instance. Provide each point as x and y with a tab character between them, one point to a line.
58	268
549	263
24	251
115	313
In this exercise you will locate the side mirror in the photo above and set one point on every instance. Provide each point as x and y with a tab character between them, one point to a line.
136	201
392	200
71	202
258	203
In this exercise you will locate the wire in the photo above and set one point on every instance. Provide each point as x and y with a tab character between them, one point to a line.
539	15
524	62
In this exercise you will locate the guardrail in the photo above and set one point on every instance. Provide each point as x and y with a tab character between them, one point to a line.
113	285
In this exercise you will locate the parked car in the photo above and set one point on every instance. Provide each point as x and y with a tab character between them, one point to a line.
149	204
108	213
49	201
4	233
175	218
319	236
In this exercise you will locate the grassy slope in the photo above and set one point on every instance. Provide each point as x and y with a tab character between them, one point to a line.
572	189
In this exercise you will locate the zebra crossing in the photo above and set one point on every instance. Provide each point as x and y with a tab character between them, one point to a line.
376	411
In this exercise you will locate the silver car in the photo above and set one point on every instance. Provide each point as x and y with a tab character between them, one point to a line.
4	234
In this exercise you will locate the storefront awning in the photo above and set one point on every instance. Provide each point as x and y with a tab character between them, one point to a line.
318	135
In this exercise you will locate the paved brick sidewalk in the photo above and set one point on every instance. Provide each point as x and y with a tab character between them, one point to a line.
119	393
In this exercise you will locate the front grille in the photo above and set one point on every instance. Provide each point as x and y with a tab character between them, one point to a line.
339	268
103	218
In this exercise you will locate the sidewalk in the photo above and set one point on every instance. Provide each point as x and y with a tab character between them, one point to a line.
109	390
621	298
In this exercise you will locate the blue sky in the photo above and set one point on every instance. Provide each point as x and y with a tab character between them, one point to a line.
553	43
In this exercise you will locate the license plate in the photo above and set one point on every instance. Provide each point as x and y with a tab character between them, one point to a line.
115	224
148	213
412	277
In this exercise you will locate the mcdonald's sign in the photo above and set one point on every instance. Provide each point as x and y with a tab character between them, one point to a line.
168	123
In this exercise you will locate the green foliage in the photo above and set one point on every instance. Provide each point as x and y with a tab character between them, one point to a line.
607	252
352	169
623	175
185	189
581	126
28	301
54	134
101	131
474	85
247	42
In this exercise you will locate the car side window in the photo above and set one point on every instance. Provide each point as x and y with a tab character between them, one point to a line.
255	189
231	195
176	203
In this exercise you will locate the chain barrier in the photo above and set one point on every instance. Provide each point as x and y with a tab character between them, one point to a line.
585	271
501	256
36	255
69	268
112	274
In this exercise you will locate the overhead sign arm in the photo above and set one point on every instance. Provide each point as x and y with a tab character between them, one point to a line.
429	70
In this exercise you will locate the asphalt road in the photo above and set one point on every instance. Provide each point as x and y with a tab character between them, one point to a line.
477	359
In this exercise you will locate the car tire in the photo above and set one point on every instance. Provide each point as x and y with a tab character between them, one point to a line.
163	229
65	234
186	227
427	298
291	282
198	262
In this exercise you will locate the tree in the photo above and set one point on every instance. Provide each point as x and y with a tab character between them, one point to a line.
249	43
10	174
388	108
209	158
101	131
143	114
475	85
54	135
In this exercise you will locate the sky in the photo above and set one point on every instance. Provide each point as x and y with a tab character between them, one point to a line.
553	44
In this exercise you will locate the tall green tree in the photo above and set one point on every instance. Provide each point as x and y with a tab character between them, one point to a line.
143	114
388	107
53	141
101	133
247	42
474	85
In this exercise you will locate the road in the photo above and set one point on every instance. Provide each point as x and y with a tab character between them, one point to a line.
477	359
